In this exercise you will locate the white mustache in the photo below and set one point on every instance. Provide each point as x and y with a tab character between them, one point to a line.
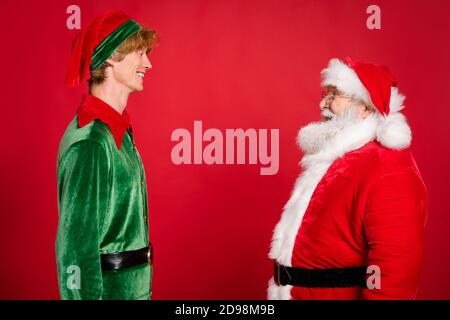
327	114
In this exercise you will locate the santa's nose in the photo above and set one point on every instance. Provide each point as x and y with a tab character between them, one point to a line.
323	104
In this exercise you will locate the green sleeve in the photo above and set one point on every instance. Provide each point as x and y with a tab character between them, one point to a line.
82	202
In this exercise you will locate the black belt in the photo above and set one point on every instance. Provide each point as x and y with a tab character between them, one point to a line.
126	259
320	278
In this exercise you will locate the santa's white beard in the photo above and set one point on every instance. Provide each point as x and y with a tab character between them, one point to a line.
314	136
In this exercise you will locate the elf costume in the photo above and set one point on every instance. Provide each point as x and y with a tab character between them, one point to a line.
102	245
360	204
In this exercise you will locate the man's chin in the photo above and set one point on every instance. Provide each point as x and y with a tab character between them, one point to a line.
137	89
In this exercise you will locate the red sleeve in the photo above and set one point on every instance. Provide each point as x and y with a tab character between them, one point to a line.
394	224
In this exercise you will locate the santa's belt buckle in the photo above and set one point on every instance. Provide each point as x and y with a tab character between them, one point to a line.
281	274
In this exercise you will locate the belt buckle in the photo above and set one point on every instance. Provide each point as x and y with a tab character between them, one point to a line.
276	272
277	279
150	254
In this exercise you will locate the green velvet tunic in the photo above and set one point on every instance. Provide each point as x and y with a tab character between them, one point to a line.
102	202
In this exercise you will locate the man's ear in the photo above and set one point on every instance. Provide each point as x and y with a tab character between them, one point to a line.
110	62
367	111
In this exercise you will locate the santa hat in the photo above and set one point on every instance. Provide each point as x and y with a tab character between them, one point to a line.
95	43
375	86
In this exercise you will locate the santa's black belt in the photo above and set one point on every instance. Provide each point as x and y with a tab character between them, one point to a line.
320	278
126	259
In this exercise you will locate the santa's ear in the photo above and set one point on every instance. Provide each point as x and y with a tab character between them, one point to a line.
366	112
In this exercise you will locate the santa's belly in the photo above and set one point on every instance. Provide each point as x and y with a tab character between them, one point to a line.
331	233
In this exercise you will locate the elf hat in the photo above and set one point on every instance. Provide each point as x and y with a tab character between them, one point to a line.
95	43
374	85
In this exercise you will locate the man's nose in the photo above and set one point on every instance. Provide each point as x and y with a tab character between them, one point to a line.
147	63
323	104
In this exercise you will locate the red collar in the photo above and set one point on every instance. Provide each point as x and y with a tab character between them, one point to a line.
92	108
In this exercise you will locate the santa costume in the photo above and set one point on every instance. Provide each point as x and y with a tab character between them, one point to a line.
353	227
102	245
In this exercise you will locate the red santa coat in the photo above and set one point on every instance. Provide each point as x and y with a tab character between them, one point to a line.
359	201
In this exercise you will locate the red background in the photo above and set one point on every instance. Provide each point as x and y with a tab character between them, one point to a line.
231	64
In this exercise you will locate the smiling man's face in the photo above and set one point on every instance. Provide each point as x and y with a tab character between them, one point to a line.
130	71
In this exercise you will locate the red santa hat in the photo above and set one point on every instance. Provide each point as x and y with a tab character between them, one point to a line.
96	42
374	85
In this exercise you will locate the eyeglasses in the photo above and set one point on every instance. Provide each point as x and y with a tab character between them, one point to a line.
329	96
